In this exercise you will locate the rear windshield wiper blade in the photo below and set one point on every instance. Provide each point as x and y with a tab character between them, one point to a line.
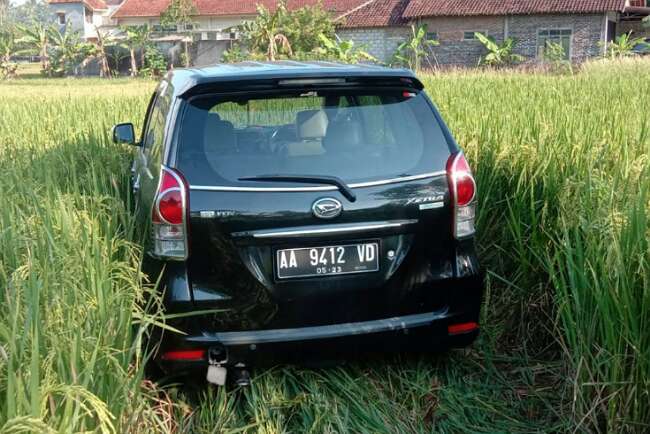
307	179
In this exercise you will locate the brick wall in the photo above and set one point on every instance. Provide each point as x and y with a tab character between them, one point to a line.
379	42
587	32
453	49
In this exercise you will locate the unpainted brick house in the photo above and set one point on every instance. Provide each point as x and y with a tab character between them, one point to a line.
581	27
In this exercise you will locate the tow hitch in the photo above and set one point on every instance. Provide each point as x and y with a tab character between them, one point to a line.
217	372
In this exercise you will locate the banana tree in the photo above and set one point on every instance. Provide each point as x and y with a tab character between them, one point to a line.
36	38
7	50
266	32
623	45
69	51
136	37
498	54
412	52
104	40
343	51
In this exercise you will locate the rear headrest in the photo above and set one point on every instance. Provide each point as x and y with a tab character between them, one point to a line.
342	134
311	124
218	135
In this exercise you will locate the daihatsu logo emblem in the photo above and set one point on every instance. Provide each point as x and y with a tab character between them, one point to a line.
327	208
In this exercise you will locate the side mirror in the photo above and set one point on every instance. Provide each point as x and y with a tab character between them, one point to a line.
124	133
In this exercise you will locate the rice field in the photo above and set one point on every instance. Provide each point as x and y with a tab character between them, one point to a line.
563	170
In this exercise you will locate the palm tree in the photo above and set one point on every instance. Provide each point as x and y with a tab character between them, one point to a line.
136	37
37	38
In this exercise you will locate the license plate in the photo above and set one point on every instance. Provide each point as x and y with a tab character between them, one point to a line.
327	261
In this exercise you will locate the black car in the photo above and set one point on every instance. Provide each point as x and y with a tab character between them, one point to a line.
304	210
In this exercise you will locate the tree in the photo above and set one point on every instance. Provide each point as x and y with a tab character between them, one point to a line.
179	14
30	11
136	37
343	51
266	34
4	13
498	55
104	41
556	57
623	46
8	48
69	51
37	40
411	53
304	27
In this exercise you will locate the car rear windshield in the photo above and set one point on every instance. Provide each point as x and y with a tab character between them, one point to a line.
356	135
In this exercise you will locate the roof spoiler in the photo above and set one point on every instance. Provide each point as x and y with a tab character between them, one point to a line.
300	83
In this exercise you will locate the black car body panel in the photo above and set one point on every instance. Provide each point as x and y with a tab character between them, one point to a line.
237	229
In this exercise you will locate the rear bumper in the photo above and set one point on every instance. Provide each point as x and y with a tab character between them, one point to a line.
424	332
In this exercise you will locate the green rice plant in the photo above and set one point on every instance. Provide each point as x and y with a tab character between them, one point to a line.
563	174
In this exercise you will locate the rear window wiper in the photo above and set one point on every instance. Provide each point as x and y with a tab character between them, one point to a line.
307	179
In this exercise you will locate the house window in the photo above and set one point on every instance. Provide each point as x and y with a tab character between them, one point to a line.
561	37
61	18
89	16
432	36
470	35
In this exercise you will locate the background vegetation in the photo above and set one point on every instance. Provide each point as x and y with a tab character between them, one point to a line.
562	164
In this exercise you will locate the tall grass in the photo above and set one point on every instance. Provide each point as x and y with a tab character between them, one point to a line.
69	274
563	172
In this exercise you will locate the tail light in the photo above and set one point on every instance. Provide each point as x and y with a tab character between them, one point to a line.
169	216
462	188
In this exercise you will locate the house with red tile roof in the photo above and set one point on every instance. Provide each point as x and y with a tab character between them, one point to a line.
84	16
581	27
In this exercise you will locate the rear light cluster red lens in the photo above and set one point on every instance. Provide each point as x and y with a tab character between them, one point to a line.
465	327
184	355
168	216
170	207
462	189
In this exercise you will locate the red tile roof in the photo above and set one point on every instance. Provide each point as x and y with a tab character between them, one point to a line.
441	8
376	13
92	4
153	8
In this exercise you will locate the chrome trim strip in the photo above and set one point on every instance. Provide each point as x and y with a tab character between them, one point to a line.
323	332
339	229
318	188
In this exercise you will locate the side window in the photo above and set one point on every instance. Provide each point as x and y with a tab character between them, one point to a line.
146	137
155	129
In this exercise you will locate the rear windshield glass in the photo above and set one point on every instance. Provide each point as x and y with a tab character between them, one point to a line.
356	135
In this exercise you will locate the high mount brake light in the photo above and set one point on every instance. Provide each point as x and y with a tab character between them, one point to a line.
462	189
169	216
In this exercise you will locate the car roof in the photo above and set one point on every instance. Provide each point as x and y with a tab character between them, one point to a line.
183	80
